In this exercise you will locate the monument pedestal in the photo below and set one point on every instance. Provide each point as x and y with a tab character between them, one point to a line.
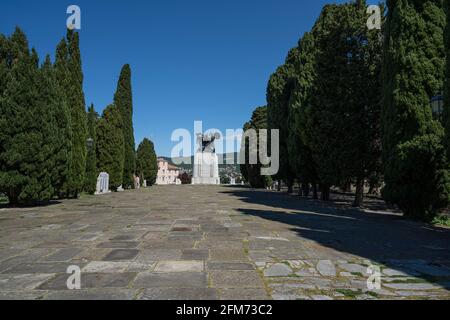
206	169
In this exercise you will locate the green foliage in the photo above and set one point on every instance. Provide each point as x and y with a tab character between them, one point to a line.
90	181
252	172
419	181
123	100
146	162
442	220
34	135
343	116
413	70
70	78
110	146
300	156
279	90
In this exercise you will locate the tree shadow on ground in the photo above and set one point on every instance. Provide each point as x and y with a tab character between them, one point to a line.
385	238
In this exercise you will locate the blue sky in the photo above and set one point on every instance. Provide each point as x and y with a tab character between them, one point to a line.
205	60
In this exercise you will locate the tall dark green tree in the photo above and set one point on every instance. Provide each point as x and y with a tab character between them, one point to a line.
90	180
343	129
300	157
70	78
279	90
252	171
31	141
57	123
123	100
110	146
416	173
146	162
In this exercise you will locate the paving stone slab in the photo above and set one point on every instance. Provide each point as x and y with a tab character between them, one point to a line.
236	279
91	280
195	254
105	267
159	254
190	294
118	245
215	266
326	268
277	270
22	295
22	281
62	255
180	266
121	255
171	280
411	286
246	294
93	294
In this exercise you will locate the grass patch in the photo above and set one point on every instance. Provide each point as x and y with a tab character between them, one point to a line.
442	220
349	293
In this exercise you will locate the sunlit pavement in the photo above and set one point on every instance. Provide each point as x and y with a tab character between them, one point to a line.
202	242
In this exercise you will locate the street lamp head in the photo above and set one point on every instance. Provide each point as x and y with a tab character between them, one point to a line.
90	143
437	105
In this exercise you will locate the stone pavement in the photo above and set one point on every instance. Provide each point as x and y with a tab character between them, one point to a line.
197	242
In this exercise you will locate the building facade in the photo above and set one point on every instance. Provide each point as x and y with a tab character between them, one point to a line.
167	173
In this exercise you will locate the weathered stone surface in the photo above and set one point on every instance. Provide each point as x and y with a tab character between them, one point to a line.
171	280
190	294
152	239
22	281
179	266
195	254
121	255
246	294
236	279
277	270
215	266
411	286
326	268
91	280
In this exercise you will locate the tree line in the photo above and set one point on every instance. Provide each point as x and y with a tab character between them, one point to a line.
50	145
353	107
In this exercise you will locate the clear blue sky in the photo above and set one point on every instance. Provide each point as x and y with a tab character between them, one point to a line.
192	60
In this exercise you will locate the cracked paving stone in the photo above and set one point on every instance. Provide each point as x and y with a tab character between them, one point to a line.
326	268
215	266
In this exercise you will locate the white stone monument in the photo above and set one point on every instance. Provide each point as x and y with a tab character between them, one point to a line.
206	162
102	184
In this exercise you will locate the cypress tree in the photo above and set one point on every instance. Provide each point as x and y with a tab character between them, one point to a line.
91	162
76	103
57	124
279	90
343	129
415	164
300	156
146	162
123	100
25	138
110	146
252	172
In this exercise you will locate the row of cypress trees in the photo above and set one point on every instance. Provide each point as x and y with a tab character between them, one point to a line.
353	105
50	146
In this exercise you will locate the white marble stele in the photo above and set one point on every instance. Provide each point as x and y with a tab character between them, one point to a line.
206	169
102	184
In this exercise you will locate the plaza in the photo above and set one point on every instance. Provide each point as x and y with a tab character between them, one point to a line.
215	242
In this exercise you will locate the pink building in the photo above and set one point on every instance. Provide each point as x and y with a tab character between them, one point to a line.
167	173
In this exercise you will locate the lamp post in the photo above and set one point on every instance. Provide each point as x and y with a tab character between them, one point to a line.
90	143
437	106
